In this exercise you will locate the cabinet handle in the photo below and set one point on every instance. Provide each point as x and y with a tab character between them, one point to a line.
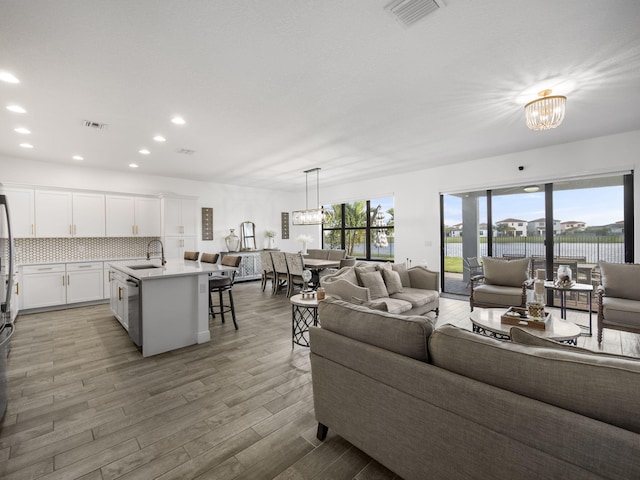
84	266
120	293
18	288
45	268
68	280
63	280
33	229
75	229
70	229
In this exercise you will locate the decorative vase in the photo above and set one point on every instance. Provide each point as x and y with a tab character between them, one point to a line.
271	243
564	276
538	286
232	241
303	251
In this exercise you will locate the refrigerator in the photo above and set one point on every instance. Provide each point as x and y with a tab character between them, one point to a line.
7	309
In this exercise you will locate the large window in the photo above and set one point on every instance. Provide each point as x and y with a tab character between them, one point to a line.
363	228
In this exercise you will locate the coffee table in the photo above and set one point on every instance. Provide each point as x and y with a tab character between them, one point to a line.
486	321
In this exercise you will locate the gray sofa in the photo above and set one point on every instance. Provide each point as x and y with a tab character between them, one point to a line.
450	403
389	287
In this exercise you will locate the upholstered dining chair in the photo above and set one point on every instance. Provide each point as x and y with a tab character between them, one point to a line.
209	258
618	297
281	270
268	272
503	283
224	283
191	256
295	264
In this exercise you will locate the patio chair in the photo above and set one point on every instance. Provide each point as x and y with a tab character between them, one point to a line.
473	266
503	283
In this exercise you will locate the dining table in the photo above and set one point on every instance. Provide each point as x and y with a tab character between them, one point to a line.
320	263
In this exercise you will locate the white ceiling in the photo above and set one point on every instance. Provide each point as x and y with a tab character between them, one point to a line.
272	88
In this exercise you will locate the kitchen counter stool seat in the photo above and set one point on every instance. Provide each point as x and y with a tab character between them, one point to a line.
221	284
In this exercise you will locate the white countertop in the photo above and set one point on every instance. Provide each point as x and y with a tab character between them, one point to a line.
173	268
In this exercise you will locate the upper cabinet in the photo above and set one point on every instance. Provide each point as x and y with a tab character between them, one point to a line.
179	216
21	203
69	214
132	216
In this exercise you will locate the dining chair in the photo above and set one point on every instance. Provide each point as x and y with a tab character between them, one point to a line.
191	255
295	264
281	270
224	283
268	272
209	257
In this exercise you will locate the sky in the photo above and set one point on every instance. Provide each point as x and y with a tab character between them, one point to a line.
594	206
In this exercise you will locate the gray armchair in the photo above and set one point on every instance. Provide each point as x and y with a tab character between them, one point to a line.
503	283
618	298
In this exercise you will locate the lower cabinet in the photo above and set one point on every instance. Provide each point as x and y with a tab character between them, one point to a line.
60	284
250	266
117	297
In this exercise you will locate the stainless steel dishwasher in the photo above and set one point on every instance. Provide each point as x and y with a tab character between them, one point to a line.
134	314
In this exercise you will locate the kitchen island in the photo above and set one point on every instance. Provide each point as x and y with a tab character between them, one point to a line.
162	307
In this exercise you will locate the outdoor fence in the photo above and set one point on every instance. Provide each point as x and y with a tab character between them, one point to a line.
593	248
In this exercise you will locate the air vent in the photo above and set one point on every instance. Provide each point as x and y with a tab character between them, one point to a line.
186	151
95	125
408	12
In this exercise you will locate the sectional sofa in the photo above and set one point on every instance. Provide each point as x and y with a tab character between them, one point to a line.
451	404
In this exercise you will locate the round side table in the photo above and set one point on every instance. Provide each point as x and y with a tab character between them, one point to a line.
304	313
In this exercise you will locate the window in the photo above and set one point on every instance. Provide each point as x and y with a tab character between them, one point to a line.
363	228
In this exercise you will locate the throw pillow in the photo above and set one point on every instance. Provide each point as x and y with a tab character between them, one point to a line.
383	266
363	269
401	268
392	281
508	273
374	282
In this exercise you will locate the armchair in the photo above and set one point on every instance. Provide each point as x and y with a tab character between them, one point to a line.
618	298
503	283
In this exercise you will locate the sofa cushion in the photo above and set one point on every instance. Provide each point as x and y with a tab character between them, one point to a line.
496	295
392	281
620	280
417	297
363	268
374	282
621	312
405	335
510	273
598	386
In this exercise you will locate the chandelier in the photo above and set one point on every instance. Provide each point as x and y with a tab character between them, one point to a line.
308	216
546	112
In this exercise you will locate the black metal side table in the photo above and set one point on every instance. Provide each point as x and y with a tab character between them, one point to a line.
304	313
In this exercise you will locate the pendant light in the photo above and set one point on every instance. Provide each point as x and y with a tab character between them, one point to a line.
545	112
309	216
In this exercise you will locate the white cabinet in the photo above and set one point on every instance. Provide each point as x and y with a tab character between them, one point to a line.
174	247
22	210
57	284
180	216
250	267
117	302
132	216
54	217
43	286
84	282
179	226
69	214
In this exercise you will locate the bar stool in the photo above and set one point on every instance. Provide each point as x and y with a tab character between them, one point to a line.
224	283
191	255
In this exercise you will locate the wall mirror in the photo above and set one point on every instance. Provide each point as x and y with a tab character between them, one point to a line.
248	235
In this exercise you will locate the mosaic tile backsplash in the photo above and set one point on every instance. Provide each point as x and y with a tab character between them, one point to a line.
34	250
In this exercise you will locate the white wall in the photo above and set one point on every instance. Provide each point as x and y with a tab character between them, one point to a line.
231	204
417	194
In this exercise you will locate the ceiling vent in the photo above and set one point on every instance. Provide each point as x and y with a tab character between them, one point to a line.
186	151
408	12
95	125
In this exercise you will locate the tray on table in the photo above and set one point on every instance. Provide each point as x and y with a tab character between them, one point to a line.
523	319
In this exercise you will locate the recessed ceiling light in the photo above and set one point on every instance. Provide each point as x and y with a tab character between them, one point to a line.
159	138
133	165
144	151
7	77
16	109
23	130
77	157
26	145
178	120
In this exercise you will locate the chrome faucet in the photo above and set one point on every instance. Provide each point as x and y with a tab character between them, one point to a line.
163	260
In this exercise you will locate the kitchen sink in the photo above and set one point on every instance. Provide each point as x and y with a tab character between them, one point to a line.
143	266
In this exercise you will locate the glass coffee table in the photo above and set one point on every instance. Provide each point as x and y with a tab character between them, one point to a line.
486	321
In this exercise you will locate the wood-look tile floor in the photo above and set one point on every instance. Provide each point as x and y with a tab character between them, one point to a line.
84	403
